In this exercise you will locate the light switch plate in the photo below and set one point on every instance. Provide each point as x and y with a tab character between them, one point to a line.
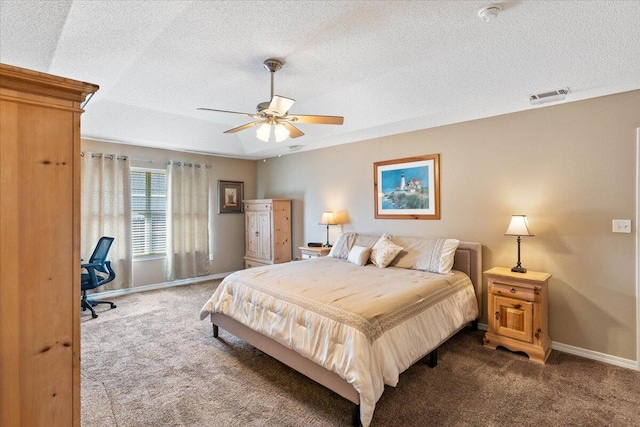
621	226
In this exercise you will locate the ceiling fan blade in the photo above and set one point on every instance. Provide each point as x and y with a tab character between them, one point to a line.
294	132
255	116
243	127
280	105
317	120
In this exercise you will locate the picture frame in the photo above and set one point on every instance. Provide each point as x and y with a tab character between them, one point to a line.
230	196
407	188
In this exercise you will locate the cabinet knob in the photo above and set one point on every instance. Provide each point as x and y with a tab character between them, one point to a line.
497	315
512	290
257	233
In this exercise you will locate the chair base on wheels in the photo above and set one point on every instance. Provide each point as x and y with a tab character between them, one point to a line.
88	304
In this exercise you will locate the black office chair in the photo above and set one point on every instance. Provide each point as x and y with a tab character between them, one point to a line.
91	279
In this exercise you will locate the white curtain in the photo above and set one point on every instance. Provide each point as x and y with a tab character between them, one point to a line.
106	211
188	221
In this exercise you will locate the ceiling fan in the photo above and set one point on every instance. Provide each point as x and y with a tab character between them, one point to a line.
274	117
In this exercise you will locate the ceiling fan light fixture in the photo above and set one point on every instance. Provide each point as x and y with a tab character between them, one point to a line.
268	132
263	132
281	132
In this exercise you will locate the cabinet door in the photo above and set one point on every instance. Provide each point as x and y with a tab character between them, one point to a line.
252	238
513	318
264	235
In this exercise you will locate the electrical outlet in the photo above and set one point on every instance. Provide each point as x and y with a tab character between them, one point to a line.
621	226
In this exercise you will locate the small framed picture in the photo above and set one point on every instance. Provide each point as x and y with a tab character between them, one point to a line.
230	195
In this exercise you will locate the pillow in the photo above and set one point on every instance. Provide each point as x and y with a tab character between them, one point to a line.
367	240
447	256
342	245
426	253
359	255
384	251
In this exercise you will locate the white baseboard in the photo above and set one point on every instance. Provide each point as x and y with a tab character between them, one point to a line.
587	354
126	291
595	355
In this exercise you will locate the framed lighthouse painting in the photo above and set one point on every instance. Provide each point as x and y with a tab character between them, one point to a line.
407	188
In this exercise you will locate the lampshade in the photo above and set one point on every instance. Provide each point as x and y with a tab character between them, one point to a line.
281	132
263	132
327	219
266	130
518	226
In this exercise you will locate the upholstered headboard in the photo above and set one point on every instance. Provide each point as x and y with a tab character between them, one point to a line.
468	259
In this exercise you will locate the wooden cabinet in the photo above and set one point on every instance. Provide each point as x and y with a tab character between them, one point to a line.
308	252
40	248
267	232
518	312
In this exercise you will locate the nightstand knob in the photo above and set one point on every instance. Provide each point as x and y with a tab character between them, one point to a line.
512	290
497	315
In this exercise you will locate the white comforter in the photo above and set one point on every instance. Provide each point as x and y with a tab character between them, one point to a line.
364	323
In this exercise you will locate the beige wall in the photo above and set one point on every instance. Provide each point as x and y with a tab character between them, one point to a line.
570	168
226	230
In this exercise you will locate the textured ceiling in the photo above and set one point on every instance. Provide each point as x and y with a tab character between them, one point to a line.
386	66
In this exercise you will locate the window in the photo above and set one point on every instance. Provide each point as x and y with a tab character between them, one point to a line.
148	212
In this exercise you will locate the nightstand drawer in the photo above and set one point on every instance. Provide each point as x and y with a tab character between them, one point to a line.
517	292
309	252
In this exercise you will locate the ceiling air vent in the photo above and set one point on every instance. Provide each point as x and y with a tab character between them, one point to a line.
555	95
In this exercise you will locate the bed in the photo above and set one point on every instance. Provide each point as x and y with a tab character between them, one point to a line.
349	326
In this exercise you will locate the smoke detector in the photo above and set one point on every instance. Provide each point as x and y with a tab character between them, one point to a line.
489	13
552	96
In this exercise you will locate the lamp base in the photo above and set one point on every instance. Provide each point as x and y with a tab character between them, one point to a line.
518	269
326	245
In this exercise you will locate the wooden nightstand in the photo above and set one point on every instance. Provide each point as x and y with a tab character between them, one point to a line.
313	252
518	312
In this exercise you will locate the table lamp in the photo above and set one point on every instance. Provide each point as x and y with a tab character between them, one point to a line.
327	219
518	227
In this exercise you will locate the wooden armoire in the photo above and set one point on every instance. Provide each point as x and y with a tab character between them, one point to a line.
40	248
267	232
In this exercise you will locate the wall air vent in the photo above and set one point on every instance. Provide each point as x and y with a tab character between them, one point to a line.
555	95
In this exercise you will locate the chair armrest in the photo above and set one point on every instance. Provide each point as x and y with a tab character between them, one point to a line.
91	265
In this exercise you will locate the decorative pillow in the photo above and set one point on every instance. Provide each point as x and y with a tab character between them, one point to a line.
359	255
447	256
426	253
384	251
343	244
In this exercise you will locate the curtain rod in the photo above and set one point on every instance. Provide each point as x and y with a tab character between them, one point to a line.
176	162
121	157
164	162
106	156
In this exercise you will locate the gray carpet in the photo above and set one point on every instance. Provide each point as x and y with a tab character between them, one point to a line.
151	362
